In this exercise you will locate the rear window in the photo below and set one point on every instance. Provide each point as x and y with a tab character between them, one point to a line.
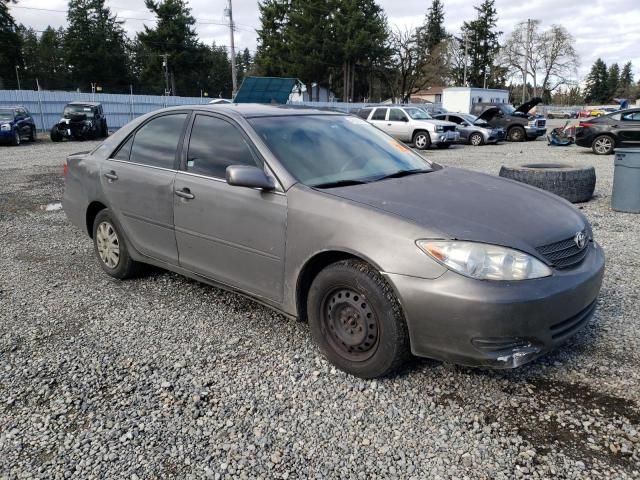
379	114
364	113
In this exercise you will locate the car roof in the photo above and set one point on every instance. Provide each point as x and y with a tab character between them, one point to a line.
254	110
88	104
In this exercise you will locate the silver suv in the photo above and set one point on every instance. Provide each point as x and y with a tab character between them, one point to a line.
412	124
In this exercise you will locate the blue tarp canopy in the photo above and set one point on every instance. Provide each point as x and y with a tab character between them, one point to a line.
265	90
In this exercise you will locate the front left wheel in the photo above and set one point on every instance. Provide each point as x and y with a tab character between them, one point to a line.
110	248
356	320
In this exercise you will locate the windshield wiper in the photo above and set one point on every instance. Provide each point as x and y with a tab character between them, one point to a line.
403	173
339	183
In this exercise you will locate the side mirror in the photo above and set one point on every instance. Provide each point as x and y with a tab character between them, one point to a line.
250	177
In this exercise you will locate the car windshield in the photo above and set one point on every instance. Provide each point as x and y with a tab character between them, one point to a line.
472	118
508	109
333	150
69	109
417	114
6	115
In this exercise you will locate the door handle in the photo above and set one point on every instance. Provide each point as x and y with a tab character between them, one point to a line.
111	176
185	193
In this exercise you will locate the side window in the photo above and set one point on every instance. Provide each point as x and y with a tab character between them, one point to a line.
631	116
364	113
124	151
379	114
216	144
397	115
454	119
155	144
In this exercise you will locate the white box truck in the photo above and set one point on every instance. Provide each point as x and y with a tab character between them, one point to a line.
461	99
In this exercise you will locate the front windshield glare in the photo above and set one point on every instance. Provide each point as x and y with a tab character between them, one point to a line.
326	149
417	114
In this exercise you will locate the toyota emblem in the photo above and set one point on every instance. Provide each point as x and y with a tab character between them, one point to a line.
580	239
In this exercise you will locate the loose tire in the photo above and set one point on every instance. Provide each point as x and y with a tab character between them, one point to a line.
476	139
356	320
603	145
516	134
110	247
575	184
16	138
421	140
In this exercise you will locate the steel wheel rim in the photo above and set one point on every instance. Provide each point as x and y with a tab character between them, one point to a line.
476	140
603	145
108	245
349	324
421	141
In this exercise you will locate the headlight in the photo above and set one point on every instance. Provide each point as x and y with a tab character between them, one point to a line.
484	262
5	127
439	128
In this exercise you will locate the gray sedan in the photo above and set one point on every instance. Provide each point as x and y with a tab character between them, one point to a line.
472	130
323	217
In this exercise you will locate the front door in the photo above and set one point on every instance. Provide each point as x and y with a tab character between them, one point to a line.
138	183
398	125
233	235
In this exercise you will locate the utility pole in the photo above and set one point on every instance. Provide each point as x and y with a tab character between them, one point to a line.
466	49
165	64
526	60
234	78
18	77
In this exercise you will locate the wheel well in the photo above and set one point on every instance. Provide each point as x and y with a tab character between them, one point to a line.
418	130
92	212
310	270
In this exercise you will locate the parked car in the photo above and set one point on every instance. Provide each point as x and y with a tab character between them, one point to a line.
559	114
473	131
16	124
516	121
607	132
323	217
411	124
81	121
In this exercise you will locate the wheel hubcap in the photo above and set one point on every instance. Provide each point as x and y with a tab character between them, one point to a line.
350	325
421	141
108	244
603	145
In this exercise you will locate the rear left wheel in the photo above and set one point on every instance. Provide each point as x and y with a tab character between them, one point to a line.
603	145
356	320
110	248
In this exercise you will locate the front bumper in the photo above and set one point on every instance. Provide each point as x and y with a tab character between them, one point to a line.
6	136
444	137
498	324
535	132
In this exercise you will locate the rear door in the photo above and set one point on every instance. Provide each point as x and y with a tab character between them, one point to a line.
138	183
629	128
379	119
233	235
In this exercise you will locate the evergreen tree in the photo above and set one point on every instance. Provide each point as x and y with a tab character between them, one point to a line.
613	80
30	65
273	51
53	73
625	85
481	37
96	47
10	47
433	32
220	83
596	90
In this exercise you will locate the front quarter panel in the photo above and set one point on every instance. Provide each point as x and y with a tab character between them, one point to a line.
319	222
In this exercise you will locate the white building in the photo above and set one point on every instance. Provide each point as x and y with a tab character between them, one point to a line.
460	99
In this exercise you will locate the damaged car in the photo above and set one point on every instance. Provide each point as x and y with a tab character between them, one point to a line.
81	121
321	216
517	122
473	131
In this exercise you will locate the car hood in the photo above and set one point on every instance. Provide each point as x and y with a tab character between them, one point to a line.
528	105
488	114
466	205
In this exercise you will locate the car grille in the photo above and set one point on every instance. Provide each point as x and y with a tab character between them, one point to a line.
568	327
448	128
565	253
541	122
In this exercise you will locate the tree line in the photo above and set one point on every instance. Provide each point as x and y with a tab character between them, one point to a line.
345	46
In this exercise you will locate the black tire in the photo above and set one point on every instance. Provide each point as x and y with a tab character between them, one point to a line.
575	184
33	135
125	266
356	320
16	140
476	139
105	130
516	134
421	140
55	135
443	146
603	145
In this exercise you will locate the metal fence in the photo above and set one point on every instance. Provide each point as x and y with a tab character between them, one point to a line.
46	106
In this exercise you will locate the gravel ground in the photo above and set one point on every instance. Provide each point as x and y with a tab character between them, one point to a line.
163	377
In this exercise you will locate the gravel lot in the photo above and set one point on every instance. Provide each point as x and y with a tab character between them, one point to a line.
163	377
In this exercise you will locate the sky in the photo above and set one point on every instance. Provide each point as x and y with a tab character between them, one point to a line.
609	29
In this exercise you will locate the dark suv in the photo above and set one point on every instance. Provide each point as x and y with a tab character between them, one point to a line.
81	121
516	121
16	124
